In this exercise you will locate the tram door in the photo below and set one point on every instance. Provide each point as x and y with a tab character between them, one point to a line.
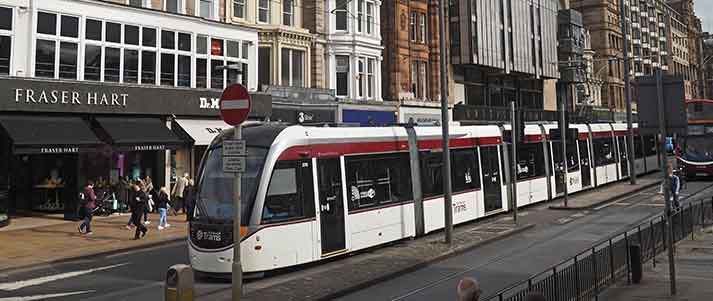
331	205
585	163
491	178
623	156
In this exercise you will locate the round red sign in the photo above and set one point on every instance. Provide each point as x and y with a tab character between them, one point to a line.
235	104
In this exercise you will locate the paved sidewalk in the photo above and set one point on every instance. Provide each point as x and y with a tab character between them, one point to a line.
52	241
590	199
694	274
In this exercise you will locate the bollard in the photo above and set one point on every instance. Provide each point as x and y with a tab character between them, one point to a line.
636	264
179	283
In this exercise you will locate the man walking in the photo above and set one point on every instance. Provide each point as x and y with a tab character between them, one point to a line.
177	192
675	188
90	199
138	203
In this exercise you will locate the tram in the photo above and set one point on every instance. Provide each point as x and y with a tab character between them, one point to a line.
316	192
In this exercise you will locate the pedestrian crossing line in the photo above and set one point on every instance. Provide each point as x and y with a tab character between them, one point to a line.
12	286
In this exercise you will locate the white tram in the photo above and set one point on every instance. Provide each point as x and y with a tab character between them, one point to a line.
311	193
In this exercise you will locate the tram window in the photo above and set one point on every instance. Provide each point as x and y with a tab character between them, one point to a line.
638	147
375	180
603	151
290	194
649	145
465	173
431	174
530	161
572	161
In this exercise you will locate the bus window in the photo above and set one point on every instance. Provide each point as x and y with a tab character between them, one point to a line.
572	161
603	151
290	195
638	147
650	145
465	171
431	174
530	161
374	180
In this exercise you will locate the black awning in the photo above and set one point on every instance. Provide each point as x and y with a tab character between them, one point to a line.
49	134
139	134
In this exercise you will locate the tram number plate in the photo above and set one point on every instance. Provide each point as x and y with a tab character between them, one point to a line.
234	148
234	164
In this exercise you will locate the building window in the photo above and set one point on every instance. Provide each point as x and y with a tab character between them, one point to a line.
264	61
422	27
413	27
414	77
369	17
370	78
56	47
137	3
112	64
288	13
131	66
292	67
92	62
148	67
423	80
206	9
342	76
6	25
340	14
239	9
361	82
174	6
360	15
263	11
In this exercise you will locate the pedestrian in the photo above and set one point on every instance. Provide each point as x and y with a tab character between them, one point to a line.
90	202
177	192
149	201
675	188
535	296
162	205
138	203
468	289
189	198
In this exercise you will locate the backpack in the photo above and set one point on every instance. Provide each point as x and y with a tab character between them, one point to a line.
82	199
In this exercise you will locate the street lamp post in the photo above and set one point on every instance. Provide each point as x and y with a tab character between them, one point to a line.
448	201
627	92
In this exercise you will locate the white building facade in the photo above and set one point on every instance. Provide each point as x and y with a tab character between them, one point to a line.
353	52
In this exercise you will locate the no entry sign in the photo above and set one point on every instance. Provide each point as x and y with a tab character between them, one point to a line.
235	104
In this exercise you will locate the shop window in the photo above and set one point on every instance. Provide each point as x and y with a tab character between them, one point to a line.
44	58
340	15
112	62
68	60
290	195
263	11
92	62
6	18
216	47
148	37
168	39
465	172
148	67
342	69
376	180
184	41
530	161
245	50
431	173
184	71
239	9
113	32
46	23
69	27
233	48
167	69
216	74
131	66
201	75
202	45
288	13
603	151
131	35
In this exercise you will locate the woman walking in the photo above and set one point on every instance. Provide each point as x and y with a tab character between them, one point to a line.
162	205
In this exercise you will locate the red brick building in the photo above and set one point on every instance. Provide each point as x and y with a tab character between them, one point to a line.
411	57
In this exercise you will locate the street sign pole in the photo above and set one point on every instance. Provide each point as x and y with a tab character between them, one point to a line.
237	264
666	181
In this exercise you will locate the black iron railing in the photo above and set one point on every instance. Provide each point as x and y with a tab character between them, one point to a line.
590	272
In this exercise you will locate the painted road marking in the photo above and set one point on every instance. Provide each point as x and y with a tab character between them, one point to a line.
46	296
11	286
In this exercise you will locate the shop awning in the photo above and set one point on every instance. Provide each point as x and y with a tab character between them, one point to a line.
139	134
201	132
49	134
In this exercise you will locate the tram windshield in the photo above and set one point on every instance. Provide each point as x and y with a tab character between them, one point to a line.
698	149
215	194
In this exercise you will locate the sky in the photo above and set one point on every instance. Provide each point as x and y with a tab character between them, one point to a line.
704	10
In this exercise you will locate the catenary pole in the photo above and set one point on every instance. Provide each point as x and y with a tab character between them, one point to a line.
563	140
513	164
666	180
627	93
448	202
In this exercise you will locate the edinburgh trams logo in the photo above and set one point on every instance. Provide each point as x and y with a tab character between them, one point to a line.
208	235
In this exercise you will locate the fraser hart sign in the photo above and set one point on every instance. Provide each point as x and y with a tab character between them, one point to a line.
66	97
